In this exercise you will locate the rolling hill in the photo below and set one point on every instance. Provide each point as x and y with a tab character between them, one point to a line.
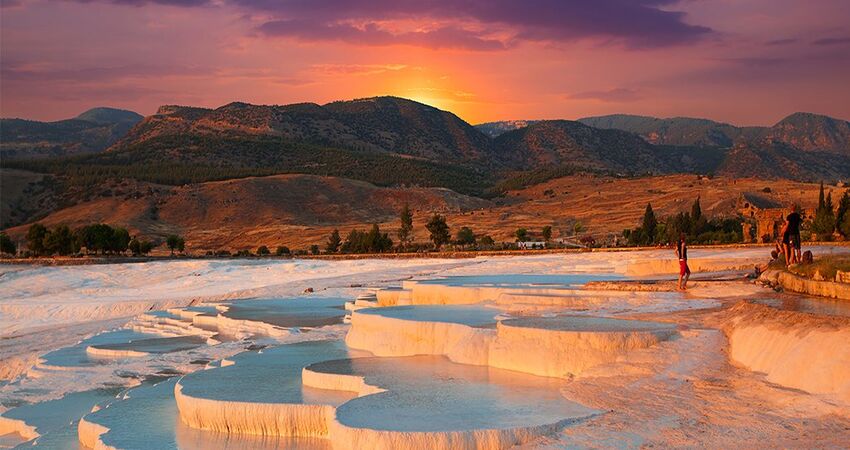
388	125
92	131
387	142
675	131
237	214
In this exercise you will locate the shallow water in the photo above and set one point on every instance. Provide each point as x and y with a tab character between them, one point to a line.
521	280
811	305
431	393
156	345
474	316
76	356
270	376
586	323
56	420
290	312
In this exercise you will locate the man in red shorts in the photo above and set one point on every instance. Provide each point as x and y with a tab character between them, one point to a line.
684	270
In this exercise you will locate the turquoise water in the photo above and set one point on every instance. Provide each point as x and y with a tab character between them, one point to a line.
522	280
587	323
431	393
290	312
56	420
157	345
76	356
273	376
474	316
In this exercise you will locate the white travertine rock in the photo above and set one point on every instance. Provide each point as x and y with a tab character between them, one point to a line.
9	425
114	353
560	346
792	349
389	336
565	346
275	419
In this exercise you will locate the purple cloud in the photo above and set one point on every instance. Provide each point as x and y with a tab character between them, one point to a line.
373	34
467	23
832	41
786	41
636	23
184	3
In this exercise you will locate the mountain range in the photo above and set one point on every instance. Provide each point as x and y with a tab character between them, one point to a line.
395	142
92	131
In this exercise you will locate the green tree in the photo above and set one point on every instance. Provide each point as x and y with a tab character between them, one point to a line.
146	247
96	238
282	250
405	232
263	250
135	247
650	224
120	240
334	241
521	235
697	220
824	222
314	249
60	240
174	242
35	238
547	233
577	227
439	230
841	216
487	241
6	245
696	210
465	237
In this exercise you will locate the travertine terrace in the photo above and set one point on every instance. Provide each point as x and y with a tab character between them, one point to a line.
580	350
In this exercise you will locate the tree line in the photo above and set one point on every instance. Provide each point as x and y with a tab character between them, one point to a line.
827	220
97	238
698	228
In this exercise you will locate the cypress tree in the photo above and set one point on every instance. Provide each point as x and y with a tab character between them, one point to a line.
650	224
405	232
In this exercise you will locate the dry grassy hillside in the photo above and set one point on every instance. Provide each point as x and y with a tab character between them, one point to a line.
609	205
300	210
294	210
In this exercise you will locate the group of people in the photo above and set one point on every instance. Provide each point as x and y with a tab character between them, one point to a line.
789	245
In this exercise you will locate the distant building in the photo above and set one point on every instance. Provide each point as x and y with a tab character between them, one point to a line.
531	245
763	217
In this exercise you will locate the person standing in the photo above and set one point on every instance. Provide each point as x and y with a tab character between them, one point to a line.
684	270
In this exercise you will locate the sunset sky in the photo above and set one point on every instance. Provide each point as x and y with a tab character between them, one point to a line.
747	62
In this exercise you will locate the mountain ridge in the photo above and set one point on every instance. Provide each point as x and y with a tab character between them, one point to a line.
91	131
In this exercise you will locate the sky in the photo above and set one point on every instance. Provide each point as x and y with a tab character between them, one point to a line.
746	62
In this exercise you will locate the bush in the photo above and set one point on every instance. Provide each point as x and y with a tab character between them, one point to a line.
263	251
314	249
521	235
372	242
282	250
334	242
486	241
439	230
175	242
6	245
35	238
465	237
